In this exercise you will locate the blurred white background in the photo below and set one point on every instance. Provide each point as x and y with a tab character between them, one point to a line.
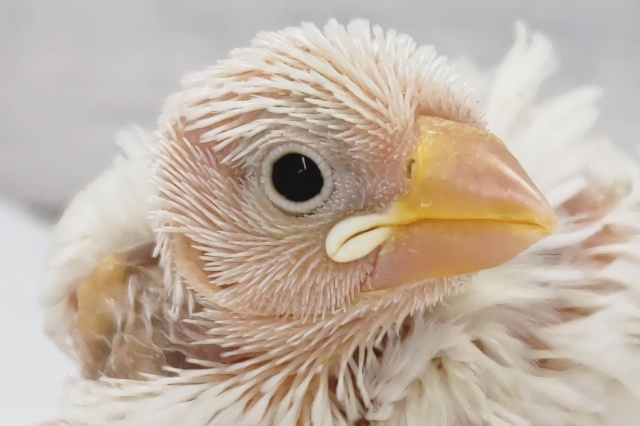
74	72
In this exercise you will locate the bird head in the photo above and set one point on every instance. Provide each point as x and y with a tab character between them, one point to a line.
319	172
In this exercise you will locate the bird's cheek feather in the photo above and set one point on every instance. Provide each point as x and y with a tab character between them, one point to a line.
470	206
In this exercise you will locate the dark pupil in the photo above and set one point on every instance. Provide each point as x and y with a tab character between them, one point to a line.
296	177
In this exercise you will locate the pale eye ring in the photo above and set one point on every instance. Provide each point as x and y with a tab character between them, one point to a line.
297	179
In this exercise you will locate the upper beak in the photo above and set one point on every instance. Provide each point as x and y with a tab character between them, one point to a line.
470	206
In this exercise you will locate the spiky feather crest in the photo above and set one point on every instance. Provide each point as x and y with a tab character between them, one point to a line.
341	84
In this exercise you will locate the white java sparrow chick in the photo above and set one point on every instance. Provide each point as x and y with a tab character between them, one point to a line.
326	230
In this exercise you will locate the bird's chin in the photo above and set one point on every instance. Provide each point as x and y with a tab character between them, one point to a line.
413	295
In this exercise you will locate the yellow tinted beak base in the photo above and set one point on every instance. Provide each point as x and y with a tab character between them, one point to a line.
470	206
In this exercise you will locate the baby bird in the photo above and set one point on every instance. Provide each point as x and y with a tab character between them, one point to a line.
335	227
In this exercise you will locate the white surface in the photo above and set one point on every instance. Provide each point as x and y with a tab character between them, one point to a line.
73	73
33	369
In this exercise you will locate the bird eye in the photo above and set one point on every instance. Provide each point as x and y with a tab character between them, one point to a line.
297	179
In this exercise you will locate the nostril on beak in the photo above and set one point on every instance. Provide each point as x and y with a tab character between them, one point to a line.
411	167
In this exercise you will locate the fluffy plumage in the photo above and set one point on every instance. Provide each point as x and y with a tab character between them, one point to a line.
227	330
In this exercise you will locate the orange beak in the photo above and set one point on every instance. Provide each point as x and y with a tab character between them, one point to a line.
470	206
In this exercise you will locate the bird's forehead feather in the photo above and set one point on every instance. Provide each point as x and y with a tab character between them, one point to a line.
345	79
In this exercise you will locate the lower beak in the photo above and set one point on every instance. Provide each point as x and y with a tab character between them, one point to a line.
470	206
